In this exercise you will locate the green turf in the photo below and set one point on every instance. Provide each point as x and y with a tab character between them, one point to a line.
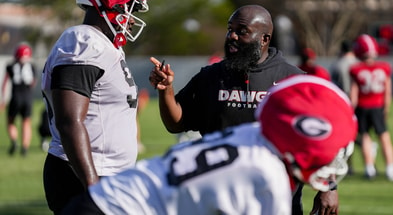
21	190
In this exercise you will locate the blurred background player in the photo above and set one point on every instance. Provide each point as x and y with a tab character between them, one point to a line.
215	58
248	169
371	96
22	75
308	64
91	98
339	71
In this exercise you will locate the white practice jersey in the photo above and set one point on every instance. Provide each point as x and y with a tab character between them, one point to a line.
22	74
110	120
235	172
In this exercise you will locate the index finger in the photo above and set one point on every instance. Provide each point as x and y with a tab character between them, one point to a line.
155	61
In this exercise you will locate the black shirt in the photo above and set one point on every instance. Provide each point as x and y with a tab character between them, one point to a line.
215	98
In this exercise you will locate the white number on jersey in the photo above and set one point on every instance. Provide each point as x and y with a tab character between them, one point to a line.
216	155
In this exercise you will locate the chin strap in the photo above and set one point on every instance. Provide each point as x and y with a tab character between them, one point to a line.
119	39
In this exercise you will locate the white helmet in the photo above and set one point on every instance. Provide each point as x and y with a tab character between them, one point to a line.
119	12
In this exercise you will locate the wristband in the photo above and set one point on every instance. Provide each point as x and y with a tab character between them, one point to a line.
332	185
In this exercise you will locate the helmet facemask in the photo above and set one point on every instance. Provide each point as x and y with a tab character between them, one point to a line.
119	15
321	179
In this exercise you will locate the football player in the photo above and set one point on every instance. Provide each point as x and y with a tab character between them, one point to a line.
308	64
371	95
304	133
91	99
22	75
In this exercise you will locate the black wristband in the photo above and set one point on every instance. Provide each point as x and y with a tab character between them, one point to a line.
332	185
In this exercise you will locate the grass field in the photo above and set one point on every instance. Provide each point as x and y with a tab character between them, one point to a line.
21	190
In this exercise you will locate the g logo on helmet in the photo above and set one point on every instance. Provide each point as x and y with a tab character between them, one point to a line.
312	127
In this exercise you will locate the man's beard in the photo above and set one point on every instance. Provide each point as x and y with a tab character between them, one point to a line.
245	58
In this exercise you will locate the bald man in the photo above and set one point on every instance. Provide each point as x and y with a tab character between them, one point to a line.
225	93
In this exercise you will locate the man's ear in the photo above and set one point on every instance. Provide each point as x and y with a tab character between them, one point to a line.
266	38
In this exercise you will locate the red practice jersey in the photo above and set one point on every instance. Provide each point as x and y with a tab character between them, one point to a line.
371	79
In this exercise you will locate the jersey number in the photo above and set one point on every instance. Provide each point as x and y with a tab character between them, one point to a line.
207	160
374	82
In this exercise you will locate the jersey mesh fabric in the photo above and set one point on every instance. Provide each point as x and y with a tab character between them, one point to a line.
110	119
371	81
232	172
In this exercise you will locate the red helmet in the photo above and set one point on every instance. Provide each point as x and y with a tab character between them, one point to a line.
365	47
119	12
23	50
309	120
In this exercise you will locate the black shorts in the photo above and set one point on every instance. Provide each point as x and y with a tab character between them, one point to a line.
370	118
20	105
82	205
60	183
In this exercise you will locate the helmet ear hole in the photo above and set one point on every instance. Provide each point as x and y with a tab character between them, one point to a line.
122	19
